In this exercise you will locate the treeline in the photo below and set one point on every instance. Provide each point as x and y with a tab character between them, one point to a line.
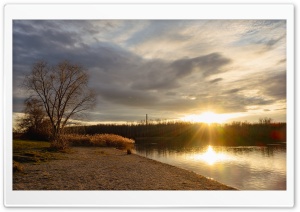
185	133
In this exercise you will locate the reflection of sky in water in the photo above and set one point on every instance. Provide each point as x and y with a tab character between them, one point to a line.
246	168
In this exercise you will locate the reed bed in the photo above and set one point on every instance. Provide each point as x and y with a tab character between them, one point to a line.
100	140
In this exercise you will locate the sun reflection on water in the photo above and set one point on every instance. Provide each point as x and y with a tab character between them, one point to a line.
210	156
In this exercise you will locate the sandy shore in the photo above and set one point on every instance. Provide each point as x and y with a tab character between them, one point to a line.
109	169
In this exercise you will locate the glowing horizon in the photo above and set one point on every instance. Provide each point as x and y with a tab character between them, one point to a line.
210	117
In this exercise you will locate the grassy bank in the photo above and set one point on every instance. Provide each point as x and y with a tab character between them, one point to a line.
25	151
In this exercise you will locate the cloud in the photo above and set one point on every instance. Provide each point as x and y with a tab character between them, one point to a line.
18	104
157	30
275	85
207	65
273	32
165	68
154	75
164	74
216	80
231	91
127	97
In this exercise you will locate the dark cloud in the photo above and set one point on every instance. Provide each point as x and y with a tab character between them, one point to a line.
272	42
154	75
207	65
269	43
216	80
235	90
117	115
50	41
281	108
237	102
275	85
127	97
33	37
170	93
18	104
224	103
281	61
158	74
270	83
249	101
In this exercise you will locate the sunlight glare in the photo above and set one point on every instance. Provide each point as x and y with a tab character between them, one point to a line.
208	117
210	156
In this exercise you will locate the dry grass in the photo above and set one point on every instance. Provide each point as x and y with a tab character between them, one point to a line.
22	145
17	167
100	140
26	151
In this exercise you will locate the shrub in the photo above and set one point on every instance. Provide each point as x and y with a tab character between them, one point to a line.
59	144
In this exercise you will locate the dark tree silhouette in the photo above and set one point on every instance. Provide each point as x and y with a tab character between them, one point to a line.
35	124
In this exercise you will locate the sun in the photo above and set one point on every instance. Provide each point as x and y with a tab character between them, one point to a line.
207	117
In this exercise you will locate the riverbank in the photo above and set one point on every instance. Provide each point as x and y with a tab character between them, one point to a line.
86	168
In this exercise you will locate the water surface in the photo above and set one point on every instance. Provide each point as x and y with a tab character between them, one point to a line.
242	167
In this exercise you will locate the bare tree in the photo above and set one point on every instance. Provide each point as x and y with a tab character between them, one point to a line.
265	120
62	90
35	124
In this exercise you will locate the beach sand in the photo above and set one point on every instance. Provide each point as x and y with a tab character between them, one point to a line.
95	168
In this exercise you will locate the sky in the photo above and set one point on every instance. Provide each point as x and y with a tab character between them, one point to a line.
168	69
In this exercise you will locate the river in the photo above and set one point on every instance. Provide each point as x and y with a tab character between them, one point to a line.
242	167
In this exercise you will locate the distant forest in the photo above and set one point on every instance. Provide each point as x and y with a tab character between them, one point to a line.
237	133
